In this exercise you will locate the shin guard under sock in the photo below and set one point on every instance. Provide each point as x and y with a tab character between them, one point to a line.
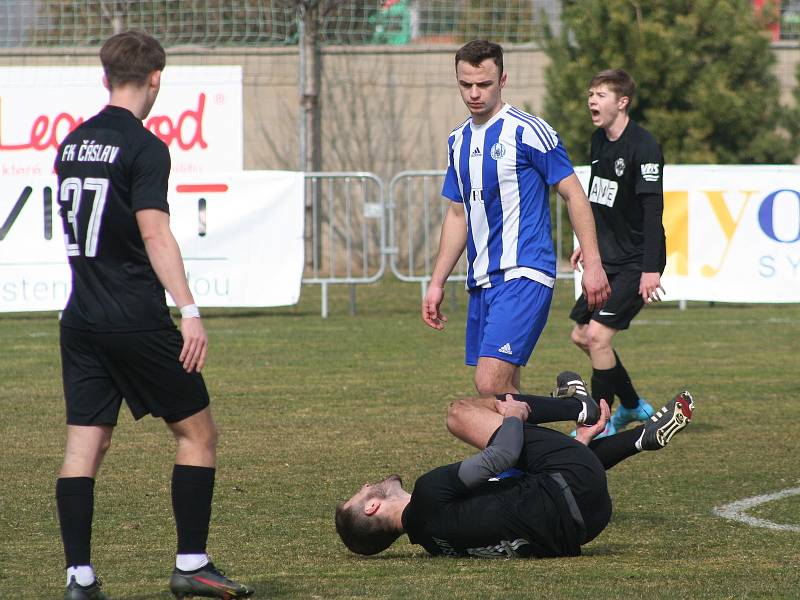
545	409
623	386
603	385
615	448
192	491
75	504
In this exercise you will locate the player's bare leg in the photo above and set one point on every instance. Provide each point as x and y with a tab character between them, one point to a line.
495	376
579	337
598	341
196	438
86	446
473	420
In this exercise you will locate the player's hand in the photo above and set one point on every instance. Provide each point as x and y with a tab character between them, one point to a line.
649	287
595	285
576	259
195	344
586	433
509	407
430	307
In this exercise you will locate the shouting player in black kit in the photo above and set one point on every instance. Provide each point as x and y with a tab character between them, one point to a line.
117	337
531	491
626	194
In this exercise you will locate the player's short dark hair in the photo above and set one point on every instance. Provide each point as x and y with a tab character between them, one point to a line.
363	534
477	51
618	82
131	57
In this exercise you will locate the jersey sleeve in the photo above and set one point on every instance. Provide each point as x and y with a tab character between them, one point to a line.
649	165
654	257
450	188
431	499
501	454
150	177
439	487
553	164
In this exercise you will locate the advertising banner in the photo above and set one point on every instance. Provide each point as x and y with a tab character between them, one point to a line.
733	232
198	114
241	236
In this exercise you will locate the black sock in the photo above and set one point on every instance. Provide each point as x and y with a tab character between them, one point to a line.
623	386
75	503
615	448
603	385
192	491
545	409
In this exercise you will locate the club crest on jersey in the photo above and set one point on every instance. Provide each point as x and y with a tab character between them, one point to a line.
498	151
619	166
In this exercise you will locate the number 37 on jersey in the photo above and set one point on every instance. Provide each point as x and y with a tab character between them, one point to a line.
69	197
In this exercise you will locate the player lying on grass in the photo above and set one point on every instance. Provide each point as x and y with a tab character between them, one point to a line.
531	491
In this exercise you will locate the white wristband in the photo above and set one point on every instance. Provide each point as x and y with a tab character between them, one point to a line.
190	311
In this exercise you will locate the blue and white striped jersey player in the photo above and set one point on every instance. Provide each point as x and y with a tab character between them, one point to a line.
502	162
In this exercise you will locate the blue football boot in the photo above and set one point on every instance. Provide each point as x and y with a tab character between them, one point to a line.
622	416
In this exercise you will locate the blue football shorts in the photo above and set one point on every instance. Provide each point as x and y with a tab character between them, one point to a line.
505	321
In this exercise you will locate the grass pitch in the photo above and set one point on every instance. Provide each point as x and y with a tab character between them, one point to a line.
309	409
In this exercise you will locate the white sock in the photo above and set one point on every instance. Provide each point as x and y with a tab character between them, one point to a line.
84	574
191	562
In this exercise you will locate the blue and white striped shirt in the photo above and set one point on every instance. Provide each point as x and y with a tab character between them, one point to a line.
505	168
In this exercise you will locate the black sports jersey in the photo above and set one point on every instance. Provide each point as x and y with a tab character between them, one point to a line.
514	517
109	168
626	192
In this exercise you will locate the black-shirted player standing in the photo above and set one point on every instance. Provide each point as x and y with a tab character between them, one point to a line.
117	338
626	194
531	492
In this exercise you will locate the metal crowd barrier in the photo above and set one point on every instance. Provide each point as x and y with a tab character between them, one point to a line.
345	231
416	209
348	219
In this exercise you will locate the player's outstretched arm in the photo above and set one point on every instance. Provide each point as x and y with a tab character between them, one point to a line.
594	280
165	257
452	242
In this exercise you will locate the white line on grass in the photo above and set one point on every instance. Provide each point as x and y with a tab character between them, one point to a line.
737	511
768	321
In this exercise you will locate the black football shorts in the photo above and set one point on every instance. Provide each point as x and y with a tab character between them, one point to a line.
622	306
100	369
549	451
